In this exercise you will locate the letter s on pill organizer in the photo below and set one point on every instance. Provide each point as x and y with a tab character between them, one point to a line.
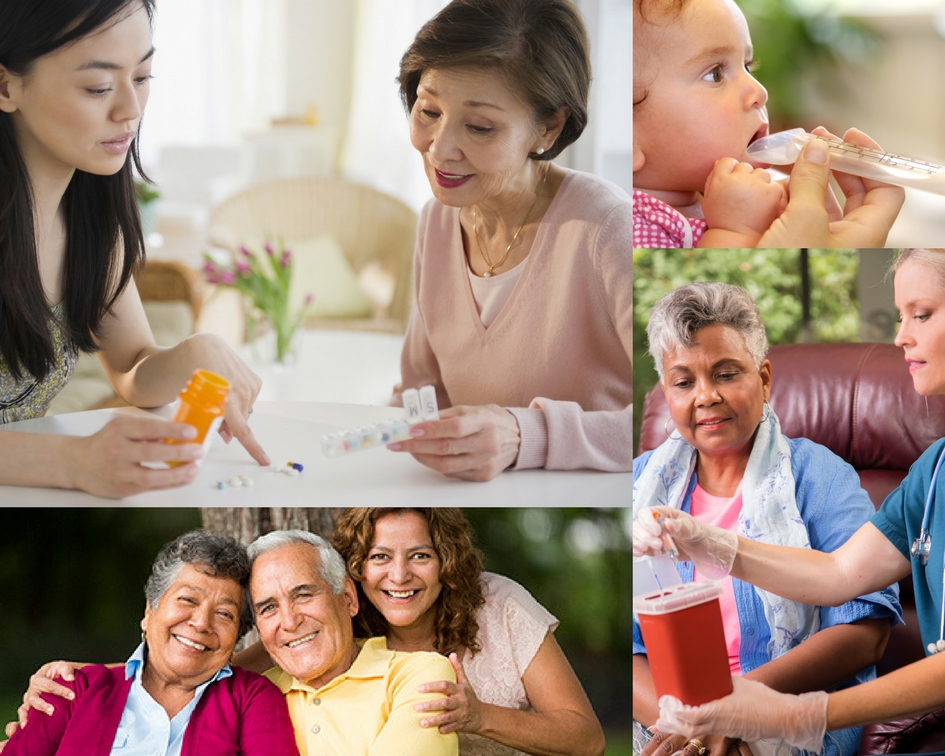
419	405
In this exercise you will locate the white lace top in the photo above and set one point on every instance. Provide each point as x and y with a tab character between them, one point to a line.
512	626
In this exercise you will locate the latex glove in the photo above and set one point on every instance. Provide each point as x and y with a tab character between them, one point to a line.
711	549
752	712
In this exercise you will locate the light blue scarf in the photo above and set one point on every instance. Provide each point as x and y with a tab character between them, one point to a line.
769	514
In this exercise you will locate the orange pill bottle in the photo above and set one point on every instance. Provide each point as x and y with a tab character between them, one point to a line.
201	405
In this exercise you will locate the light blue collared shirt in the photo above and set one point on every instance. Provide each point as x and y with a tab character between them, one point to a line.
145	729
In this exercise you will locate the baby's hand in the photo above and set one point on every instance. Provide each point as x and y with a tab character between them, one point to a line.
741	198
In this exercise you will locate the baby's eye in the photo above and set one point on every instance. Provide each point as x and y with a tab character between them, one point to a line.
715	75
752	65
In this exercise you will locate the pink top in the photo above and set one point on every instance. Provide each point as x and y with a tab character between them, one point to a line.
558	355
723	513
656	224
243	714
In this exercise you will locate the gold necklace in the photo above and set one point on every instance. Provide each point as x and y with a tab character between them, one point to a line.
493	265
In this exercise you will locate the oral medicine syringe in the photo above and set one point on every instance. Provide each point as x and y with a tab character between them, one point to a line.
420	406
784	147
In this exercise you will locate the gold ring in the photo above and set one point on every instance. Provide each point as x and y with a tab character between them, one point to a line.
700	746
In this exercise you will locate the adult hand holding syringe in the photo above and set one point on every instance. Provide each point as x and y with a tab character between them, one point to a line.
712	549
784	147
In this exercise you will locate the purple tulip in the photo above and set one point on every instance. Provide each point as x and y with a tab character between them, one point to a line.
209	267
227	277
269	250
245	250
286	256
309	298
242	268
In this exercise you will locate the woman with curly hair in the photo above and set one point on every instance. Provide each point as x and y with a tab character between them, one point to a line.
421	584
422	579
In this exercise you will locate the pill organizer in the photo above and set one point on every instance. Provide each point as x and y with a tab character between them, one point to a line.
420	407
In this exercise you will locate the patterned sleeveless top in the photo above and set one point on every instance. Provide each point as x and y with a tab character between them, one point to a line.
28	398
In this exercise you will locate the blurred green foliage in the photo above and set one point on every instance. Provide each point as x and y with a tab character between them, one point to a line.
771	276
793	48
72	585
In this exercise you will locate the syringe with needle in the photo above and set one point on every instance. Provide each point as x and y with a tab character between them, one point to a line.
669	545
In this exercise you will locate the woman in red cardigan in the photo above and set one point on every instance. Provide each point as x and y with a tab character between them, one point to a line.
176	695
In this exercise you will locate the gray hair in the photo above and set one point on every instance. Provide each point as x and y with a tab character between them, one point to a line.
680	314
332	567
934	258
216	555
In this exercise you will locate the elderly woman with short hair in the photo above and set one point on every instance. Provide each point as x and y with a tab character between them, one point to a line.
709	346
522	271
177	694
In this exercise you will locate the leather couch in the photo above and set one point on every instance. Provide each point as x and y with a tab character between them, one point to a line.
857	400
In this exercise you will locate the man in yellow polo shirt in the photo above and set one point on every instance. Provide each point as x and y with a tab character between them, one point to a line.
343	699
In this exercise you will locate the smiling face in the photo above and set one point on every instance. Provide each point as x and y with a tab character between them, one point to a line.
714	391
475	136
305	628
702	103
402	572
192	631
920	299
79	107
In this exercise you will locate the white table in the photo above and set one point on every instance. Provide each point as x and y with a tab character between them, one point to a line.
375	477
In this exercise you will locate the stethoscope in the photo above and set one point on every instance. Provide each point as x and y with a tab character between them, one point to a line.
922	546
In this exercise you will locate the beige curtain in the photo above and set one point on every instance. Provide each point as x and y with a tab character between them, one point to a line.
377	149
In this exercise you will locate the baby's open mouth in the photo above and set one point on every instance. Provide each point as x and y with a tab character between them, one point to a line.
761	132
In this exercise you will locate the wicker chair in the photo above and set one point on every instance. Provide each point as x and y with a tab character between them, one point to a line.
369	226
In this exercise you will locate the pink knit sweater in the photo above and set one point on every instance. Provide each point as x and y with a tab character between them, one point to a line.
559	354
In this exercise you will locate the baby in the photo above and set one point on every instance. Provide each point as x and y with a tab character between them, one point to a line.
696	109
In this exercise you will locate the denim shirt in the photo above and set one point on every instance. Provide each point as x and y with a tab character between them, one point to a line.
833	507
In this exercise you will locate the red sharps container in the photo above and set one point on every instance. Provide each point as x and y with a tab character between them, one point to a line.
685	643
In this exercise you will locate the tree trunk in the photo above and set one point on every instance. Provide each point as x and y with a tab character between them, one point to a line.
248	523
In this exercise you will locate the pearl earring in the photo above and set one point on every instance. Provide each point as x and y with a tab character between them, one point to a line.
540	150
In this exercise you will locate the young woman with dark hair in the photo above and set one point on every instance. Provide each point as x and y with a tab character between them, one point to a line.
74	80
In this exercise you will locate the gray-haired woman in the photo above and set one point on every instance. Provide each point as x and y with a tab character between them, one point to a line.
709	346
177	693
